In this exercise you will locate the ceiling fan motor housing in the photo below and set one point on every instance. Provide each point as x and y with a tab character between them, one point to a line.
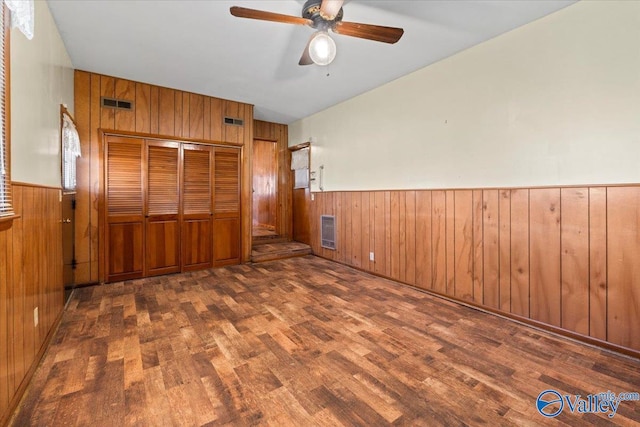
311	10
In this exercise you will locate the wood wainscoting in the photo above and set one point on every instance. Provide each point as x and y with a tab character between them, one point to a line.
30	278
566	257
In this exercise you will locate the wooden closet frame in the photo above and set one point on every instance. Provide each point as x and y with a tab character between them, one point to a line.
102	212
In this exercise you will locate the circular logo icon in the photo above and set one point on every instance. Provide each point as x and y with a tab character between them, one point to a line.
549	403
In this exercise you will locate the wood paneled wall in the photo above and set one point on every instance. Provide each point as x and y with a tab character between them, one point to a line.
567	257
280	134
30	277
158	112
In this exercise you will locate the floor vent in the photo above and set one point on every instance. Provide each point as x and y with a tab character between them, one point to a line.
119	104
328	231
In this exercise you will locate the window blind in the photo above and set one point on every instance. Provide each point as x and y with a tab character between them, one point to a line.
5	178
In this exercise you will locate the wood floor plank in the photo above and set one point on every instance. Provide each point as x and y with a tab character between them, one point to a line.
304	341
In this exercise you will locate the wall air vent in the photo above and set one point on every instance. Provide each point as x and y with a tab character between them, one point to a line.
120	104
233	121
328	231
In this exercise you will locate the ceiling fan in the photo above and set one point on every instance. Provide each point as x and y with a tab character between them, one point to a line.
323	15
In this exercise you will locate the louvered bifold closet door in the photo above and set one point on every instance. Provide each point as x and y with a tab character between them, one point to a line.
197	205
162	210
226	223
124	207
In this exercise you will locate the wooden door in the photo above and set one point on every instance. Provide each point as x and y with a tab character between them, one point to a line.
124	208
162	211
265	185
226	223
197	202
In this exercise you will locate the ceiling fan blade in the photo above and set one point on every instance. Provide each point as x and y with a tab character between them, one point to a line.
370	32
305	59
330	8
243	12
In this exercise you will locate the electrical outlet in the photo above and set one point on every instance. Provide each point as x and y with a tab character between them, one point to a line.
371	257
36	318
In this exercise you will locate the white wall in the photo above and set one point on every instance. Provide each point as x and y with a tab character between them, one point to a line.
554	102
41	80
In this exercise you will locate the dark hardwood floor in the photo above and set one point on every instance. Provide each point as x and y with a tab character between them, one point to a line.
303	342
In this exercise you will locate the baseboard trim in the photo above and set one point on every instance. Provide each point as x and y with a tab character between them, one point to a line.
80	285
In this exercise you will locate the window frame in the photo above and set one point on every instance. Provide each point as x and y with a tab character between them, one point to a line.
64	153
7	216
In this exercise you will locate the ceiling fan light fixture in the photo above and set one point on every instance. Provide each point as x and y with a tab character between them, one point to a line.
322	48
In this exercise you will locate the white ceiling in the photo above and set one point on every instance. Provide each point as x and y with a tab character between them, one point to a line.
199	47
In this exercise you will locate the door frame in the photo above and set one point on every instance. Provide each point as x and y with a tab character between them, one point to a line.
307	190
